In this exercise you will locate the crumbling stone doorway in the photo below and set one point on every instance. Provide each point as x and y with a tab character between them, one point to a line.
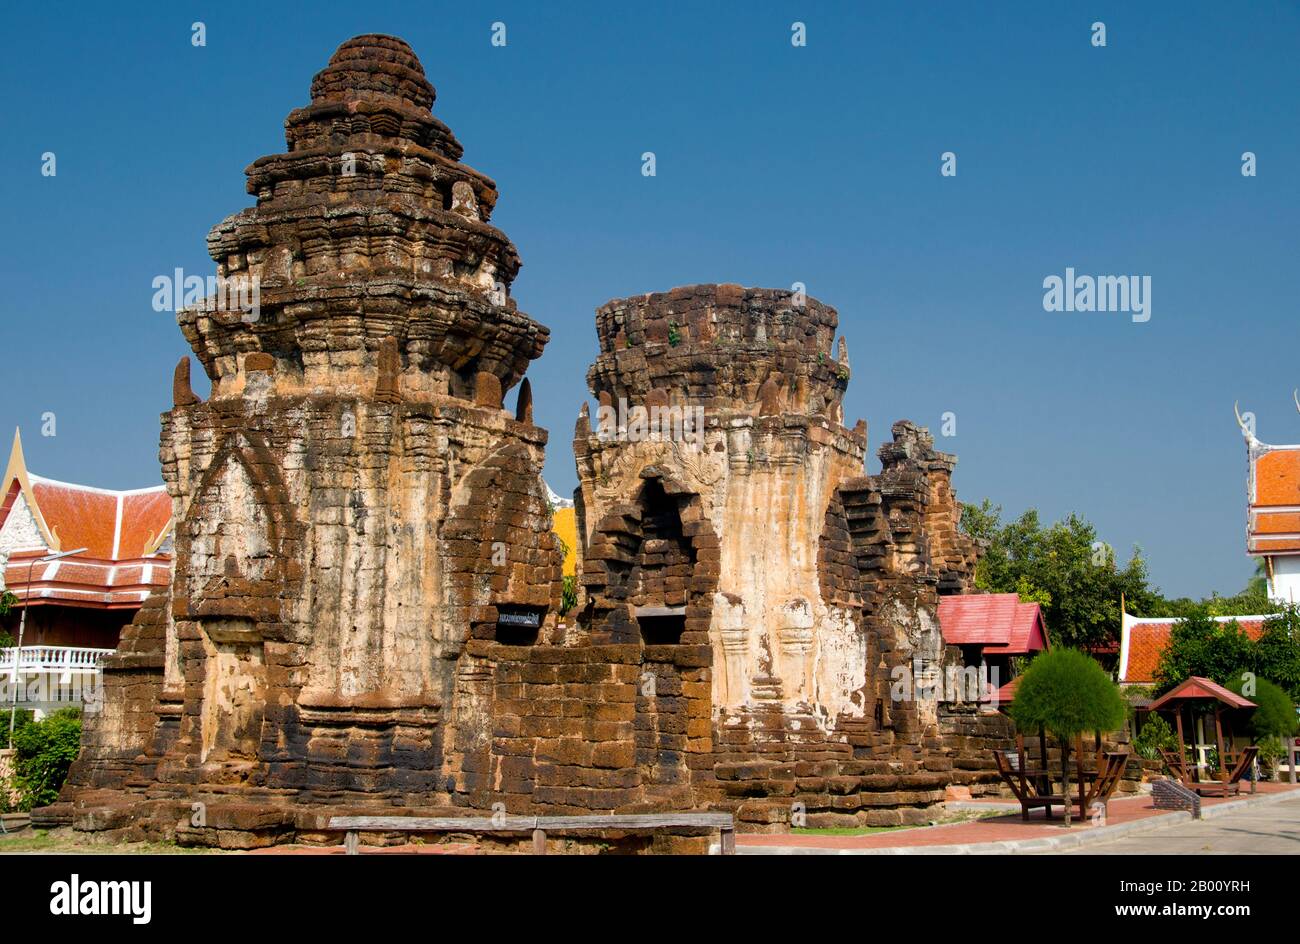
651	567
660	577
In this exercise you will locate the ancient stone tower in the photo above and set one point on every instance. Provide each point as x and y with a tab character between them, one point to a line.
723	506
363	614
353	503
719	530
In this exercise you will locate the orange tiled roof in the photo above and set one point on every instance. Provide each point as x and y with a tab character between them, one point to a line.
1273	516
1143	641
121	532
79	581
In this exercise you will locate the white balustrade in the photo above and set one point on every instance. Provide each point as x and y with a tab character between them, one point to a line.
51	677
64	660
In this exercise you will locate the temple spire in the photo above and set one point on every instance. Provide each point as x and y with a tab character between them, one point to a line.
16	460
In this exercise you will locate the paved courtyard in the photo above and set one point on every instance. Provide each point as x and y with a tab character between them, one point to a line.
1272	829
977	835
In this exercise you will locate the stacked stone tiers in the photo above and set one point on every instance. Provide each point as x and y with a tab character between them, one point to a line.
723	347
353	505
368	228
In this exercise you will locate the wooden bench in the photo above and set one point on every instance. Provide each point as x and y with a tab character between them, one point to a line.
1229	785
1229	781
1110	769
1031	788
537	825
1176	764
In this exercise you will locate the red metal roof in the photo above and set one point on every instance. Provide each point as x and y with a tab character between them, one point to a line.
999	622
1006	694
1198	688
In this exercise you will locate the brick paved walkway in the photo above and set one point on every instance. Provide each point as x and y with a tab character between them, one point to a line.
993	829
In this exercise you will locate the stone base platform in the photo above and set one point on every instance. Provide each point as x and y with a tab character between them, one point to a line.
240	824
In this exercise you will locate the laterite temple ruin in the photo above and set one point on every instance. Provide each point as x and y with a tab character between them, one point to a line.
364	609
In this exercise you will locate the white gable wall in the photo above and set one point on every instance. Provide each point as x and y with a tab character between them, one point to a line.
19	531
1285	585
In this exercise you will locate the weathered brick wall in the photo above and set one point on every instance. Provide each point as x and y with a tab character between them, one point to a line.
590	728
969	737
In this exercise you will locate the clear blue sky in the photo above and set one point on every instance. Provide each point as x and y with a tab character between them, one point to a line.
775	164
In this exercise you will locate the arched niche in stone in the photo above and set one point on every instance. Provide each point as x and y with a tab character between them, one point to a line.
234	543
494	549
234	537
653	566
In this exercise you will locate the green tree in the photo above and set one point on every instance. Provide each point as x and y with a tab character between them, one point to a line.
1200	645
982	522
7	602
43	752
1066	692
1274	714
1028	593
1277	651
1246	603
1065	567
1257	586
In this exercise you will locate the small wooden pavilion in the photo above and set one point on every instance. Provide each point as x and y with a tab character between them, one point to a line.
1207	695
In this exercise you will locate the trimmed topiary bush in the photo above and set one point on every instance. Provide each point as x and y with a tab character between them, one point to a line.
1272	722
1067	693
